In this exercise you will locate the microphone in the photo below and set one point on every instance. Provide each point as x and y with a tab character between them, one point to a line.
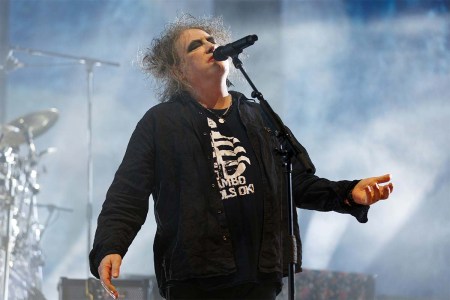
231	49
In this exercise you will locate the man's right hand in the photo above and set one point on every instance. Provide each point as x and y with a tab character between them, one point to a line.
110	268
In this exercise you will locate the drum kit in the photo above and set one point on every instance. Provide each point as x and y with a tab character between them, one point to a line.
21	257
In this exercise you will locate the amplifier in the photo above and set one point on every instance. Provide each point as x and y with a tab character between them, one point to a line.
91	289
331	285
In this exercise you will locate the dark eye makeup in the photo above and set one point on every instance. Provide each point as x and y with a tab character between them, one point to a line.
211	40
197	43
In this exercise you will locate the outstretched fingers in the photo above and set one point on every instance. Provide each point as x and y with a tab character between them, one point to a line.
386	191
383	178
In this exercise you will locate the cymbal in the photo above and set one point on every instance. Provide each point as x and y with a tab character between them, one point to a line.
8	132
36	123
5	129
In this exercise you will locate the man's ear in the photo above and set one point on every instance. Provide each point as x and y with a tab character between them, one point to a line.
177	73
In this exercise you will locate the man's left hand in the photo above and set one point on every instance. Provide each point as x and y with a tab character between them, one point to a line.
369	191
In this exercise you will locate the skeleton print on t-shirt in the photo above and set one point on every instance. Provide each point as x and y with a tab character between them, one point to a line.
230	163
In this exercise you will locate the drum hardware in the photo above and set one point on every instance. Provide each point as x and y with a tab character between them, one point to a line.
21	230
7	131
25	289
7	242
89	63
51	210
31	130
31	126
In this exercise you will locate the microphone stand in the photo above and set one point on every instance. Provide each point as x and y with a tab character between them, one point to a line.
51	210
90	63
286	155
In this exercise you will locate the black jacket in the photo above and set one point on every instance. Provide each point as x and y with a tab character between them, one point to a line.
169	156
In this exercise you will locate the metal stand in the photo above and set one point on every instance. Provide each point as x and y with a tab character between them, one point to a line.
6	268
286	154
90	163
90	63
22	260
51	210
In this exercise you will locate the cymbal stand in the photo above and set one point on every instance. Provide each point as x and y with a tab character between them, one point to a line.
31	180
51	210
89	63
10	185
90	85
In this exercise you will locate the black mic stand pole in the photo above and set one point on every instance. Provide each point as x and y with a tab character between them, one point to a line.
286	155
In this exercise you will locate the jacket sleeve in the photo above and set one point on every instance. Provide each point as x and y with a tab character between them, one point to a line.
315	193
126	205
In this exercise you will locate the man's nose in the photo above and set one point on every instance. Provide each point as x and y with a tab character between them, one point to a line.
210	48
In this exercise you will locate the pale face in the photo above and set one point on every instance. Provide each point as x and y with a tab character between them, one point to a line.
195	48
